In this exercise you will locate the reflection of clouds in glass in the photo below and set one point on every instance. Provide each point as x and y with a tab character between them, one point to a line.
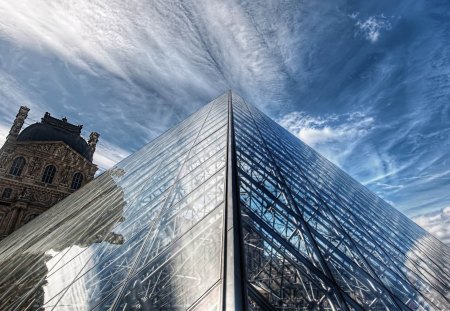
166	203
187	269
72	259
420	264
437	223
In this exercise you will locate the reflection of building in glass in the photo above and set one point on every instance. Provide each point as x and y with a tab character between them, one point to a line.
32	277
226	210
40	166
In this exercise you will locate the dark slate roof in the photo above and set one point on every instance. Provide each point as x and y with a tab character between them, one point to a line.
52	129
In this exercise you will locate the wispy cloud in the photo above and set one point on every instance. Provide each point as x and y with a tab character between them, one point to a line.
170	46
107	155
372	27
437	223
340	137
141	65
11	90
389	187
369	151
333	135
3	133
345	139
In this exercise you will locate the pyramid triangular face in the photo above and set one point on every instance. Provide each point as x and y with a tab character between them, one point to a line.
226	210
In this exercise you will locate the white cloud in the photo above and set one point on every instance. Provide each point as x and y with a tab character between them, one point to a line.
344	140
64	28
142	64
437	223
164	43
107	155
319	130
3	133
332	135
372	27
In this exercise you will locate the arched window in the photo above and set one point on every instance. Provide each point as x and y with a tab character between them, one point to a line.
17	166
77	181
7	193
49	173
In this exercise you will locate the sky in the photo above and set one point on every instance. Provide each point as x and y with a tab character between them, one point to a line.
367	84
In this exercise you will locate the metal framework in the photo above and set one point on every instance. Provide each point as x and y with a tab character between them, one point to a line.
225	211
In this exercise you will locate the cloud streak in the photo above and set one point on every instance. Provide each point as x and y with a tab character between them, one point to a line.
167	44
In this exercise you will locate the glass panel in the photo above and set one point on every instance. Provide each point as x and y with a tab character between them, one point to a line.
211	302
139	218
147	235
305	208
178	277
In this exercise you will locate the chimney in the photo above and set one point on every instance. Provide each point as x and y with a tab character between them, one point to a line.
18	123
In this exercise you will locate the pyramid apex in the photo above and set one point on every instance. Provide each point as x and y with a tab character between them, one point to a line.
226	209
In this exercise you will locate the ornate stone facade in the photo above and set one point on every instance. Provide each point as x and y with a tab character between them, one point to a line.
40	166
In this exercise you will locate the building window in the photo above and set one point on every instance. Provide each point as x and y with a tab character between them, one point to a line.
76	181
7	193
17	166
49	173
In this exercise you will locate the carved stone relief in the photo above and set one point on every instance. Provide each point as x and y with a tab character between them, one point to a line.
35	166
26	195
3	159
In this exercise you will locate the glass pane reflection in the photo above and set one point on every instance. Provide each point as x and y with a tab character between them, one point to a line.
147	234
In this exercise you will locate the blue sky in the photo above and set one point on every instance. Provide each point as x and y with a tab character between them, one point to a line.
365	83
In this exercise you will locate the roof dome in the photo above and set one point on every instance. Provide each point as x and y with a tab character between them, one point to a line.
52	129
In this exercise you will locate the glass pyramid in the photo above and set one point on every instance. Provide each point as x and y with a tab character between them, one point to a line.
225	211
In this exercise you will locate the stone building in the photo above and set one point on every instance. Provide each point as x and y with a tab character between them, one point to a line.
40	166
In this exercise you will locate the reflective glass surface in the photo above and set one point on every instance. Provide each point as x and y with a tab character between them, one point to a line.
315	239
152	233
145	235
